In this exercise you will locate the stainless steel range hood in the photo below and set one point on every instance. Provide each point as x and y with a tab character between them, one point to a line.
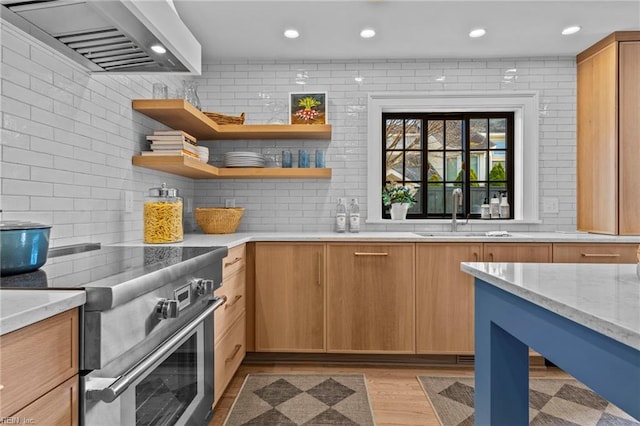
113	36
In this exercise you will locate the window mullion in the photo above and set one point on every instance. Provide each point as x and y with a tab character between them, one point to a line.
466	153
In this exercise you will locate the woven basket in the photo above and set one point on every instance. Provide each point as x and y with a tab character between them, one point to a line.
219	220
225	119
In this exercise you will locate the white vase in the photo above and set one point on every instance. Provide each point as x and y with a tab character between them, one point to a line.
399	211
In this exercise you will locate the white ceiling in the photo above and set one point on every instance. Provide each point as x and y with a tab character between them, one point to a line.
405	29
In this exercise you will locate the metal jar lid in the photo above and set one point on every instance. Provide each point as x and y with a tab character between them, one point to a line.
163	191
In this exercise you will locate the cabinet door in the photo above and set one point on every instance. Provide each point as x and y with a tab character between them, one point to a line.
370	298
594	253
26	373
233	288
58	407
289	297
515	252
629	134
444	298
228	354
597	143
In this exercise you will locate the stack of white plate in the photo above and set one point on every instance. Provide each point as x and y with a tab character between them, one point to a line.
243	159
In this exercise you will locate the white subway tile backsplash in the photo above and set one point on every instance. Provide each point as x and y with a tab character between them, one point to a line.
68	136
14	107
47	89
50	203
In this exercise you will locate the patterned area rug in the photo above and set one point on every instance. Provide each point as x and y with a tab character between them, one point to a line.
562	402
267	399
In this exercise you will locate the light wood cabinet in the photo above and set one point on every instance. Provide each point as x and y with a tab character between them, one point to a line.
36	364
444	298
228	354
608	107
289	297
370	298
518	252
229	320
59	406
594	253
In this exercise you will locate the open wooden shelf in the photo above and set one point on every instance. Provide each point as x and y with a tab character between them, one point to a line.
181	115
196	169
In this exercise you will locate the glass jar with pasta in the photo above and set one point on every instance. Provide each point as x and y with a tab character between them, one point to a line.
163	216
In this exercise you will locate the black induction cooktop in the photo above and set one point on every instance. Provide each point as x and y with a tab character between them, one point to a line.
101	264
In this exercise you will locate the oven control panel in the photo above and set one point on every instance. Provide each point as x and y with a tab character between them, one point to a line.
183	296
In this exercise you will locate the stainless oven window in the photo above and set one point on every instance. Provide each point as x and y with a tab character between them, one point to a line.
164	395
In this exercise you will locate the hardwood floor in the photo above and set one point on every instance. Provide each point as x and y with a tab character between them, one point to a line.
396	395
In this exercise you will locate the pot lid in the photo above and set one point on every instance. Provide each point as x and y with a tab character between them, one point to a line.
8	225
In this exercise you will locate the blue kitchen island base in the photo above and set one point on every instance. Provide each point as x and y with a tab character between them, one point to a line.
506	325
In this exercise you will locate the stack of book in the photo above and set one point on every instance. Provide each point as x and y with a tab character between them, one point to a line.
172	142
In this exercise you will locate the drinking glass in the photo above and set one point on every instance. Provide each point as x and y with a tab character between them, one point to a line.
160	91
303	158
286	159
320	164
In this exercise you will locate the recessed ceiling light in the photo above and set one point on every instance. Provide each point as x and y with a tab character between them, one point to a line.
367	33
478	32
158	48
571	30
291	33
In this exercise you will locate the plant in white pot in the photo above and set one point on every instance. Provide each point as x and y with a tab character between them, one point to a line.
400	198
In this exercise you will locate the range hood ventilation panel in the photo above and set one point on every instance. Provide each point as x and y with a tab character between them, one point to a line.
112	36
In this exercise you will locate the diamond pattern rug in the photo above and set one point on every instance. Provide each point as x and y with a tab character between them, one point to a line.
562	402
302	399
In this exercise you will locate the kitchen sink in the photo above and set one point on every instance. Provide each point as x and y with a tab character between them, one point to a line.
460	234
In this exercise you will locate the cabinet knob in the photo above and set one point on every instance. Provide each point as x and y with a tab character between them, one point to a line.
167	308
203	287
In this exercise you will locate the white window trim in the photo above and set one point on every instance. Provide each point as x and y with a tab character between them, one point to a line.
524	105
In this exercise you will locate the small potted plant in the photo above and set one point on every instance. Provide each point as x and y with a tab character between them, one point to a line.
400	198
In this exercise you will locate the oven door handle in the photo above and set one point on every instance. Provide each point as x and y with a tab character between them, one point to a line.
117	386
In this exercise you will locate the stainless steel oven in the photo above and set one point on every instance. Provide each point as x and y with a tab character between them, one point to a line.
146	330
173	385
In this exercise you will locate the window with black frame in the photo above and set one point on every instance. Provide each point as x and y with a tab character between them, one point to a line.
434	153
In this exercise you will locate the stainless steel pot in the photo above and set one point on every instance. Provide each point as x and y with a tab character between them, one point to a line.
23	246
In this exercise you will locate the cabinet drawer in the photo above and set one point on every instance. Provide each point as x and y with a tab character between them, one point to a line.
518	252
233	288
229	353
594	253
37	358
58	407
235	261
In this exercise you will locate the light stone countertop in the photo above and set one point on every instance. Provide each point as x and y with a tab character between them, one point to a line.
23	307
19	308
604	298
231	240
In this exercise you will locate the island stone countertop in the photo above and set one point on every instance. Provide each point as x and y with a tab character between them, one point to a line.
602	297
19	308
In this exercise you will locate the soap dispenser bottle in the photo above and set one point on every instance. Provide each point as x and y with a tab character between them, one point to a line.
354	216
504	205
484	210
341	216
494	210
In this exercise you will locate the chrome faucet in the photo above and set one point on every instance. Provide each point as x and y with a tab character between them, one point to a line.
457	201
